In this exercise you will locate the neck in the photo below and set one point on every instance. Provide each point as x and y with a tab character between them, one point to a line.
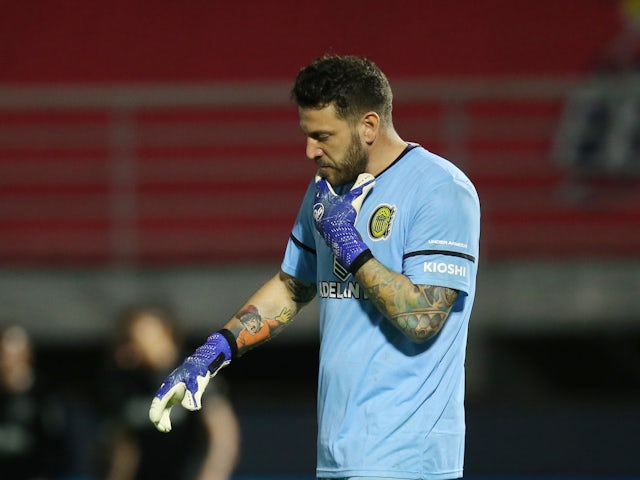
383	152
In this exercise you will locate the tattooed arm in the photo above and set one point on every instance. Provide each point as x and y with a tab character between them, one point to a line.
269	310
266	313
419	311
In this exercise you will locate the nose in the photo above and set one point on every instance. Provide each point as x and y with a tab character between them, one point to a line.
313	149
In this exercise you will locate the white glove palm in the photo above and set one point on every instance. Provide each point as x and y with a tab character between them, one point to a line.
186	384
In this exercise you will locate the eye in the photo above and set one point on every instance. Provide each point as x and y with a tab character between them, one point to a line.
321	137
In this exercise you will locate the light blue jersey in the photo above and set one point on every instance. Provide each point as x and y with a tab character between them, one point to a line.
388	407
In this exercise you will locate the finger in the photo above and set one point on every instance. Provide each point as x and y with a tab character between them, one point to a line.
362	179
368	186
189	402
365	191
360	190
361	187
171	397
202	385
164	422
159	414
161	406
193	400
164	425
323	187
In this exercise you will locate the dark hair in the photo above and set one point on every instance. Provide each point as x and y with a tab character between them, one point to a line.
248	313
354	85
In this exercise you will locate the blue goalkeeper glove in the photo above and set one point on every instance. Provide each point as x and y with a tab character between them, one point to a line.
186	384
335	216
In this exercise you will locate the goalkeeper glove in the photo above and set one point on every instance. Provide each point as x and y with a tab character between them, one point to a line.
186	384
335	216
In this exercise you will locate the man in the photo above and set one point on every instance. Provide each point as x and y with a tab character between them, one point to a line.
394	266
256	329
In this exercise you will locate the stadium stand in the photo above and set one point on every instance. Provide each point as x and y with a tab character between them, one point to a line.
190	174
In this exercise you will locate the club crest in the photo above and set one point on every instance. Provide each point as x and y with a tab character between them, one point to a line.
381	221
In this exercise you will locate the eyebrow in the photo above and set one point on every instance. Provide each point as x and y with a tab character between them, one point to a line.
313	133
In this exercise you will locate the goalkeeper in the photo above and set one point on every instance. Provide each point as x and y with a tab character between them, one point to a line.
387	235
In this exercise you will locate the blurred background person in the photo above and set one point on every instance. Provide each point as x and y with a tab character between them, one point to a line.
206	446
25	441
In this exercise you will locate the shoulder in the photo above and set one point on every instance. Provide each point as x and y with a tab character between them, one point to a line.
422	172
436	166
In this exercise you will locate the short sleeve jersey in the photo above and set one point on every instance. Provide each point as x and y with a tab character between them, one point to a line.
389	407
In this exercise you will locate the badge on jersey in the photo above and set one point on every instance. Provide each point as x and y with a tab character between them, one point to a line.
380	222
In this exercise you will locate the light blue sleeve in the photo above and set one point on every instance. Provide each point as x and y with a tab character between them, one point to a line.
443	240
300	255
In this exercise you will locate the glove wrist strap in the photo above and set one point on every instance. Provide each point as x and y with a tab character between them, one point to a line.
359	261
219	349
231	340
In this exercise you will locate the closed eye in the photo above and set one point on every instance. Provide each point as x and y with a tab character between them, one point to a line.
320	136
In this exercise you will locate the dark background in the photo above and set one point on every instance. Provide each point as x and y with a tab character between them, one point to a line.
98	208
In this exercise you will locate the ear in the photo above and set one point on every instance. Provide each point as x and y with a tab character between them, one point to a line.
369	127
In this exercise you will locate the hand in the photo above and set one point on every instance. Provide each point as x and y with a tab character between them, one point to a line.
335	216
186	384
284	316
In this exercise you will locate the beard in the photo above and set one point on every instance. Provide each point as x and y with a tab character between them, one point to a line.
355	162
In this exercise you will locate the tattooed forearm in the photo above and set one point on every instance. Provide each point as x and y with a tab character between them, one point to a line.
301	292
430	309
419	311
252	327
269	310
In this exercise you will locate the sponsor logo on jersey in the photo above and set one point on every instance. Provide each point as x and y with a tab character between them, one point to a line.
339	271
340	290
447	268
380	222
449	243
